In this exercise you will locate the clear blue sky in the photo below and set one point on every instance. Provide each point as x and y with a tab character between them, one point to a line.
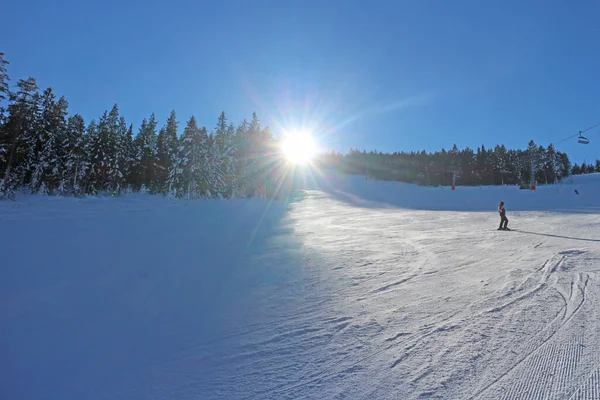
384	75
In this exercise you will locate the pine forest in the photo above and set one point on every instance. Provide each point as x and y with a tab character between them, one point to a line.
45	149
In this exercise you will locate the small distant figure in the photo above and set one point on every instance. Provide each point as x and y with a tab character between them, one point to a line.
503	219
576	191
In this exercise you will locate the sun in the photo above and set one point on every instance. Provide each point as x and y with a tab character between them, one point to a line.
299	147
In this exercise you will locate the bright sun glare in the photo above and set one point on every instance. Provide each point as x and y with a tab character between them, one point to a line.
299	147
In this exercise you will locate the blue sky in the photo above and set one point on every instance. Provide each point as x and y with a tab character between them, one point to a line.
374	75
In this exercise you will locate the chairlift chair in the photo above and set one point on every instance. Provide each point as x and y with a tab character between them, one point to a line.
582	139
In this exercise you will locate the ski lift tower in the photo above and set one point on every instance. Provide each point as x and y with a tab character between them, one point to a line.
456	173
533	159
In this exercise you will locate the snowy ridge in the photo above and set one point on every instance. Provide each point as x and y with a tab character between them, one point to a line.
355	289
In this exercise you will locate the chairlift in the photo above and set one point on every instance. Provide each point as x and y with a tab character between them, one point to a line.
582	139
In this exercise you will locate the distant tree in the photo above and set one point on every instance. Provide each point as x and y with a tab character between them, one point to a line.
591	168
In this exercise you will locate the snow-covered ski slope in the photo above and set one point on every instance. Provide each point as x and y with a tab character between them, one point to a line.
354	290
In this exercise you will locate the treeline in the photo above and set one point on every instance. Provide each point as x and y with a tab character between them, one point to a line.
585	168
48	151
497	166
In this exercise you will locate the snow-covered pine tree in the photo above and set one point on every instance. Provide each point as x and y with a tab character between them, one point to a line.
75	163
53	127
47	171
255	162
124	155
187	159
501	162
131	157
101	148
542	165
552	164
137	164
115	137
94	158
565	164
4	95
514	166
4	89
160	174
252	160
42	144
223	162
168	144
204	171
230	161
145	143
56	124
19	127
242	159
481	166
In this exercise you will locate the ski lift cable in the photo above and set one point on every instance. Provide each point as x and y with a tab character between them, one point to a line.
577	134
591	127
593	136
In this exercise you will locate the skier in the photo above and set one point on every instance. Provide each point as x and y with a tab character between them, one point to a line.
503	219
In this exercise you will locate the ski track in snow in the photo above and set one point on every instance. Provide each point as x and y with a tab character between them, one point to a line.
323	299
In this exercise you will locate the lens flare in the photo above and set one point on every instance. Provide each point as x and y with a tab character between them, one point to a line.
299	147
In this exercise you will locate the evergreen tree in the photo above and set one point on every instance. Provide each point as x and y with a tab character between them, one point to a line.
146	158
130	157
205	167
225	158
116	129
168	144
4	89
591	169
552	164
95	158
75	163
189	159
46	153
17	133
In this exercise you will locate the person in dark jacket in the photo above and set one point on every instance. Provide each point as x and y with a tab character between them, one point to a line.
503	219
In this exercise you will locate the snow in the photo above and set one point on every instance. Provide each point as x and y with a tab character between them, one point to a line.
354	289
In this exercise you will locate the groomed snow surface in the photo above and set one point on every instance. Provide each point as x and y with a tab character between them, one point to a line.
355	289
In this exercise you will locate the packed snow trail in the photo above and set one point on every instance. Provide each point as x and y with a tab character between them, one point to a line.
321	299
